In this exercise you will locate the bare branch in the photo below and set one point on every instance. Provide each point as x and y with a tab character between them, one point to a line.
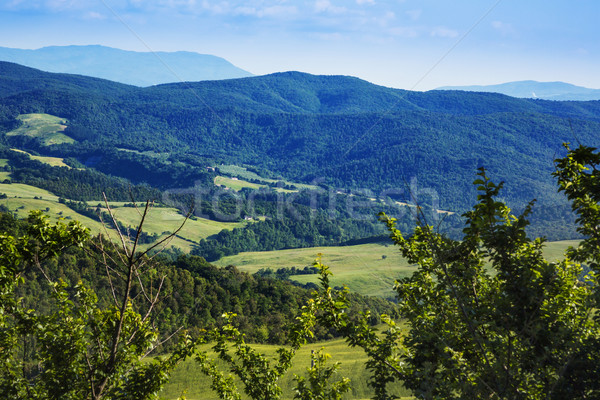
132	198
105	262
123	243
169	237
123	261
139	233
39	266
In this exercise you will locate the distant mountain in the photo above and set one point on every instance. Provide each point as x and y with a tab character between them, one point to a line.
535	90
130	67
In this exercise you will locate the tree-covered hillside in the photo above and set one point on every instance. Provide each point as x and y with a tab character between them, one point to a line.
333	130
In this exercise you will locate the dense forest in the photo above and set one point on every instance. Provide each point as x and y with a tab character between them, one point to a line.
196	293
339	131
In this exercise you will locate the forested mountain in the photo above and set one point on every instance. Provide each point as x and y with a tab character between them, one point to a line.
131	67
534	89
340	132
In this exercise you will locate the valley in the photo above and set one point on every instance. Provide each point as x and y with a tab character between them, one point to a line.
256	176
274	172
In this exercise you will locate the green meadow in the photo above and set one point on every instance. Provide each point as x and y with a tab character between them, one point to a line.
21	199
48	128
243	173
368	269
52	161
238	184
26	191
164	220
235	183
22	206
188	378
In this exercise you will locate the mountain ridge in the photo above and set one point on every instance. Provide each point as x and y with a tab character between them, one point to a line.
129	67
533	89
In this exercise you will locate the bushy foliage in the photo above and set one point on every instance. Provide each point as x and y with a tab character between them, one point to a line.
80	350
488	316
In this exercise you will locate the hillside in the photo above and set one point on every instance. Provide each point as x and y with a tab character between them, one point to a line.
339	132
130	67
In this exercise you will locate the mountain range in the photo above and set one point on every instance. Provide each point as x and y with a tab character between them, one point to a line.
130	67
535	90
337	131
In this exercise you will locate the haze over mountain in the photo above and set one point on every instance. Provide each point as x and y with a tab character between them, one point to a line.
130	67
535	90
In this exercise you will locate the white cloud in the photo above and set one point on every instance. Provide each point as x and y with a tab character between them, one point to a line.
273	11
361	2
388	16
504	28
403	31
61	4
414	14
326	6
335	36
94	15
217	8
442	31
50	5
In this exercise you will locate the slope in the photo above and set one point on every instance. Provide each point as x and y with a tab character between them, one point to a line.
334	130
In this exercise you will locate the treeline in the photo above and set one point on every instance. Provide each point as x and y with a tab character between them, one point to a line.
285	272
291	231
72	183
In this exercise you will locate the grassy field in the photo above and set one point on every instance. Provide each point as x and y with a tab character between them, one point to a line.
554	251
48	128
367	269
26	191
243	173
22	206
53	161
163	221
240	172
187	377
23	198
236	184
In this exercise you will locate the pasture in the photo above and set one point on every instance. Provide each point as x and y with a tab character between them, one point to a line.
188	378
48	128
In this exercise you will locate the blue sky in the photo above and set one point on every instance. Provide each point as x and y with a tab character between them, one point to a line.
406	44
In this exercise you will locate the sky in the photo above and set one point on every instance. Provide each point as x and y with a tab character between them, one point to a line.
408	44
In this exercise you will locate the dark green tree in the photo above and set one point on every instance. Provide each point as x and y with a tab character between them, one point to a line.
80	349
488	316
